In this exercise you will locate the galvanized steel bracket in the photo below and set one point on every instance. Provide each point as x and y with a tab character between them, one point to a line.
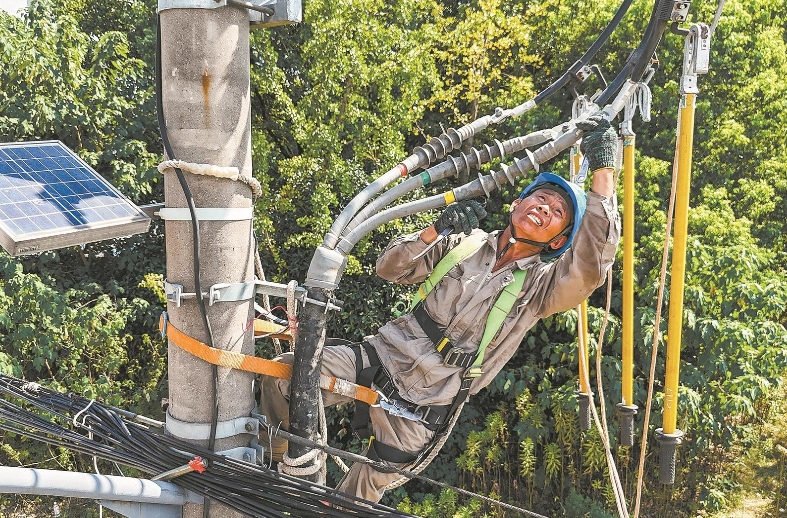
201	431
262	13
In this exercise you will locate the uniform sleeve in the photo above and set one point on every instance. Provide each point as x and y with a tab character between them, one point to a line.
584	266
396	262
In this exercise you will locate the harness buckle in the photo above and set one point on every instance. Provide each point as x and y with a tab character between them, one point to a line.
453	356
399	409
424	411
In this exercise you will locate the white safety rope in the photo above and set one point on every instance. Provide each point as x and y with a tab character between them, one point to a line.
292	311
428	460
613	472
319	458
228	172
655	346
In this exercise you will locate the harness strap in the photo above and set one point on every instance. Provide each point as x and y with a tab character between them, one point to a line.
432	417
376	450
381	452
454	256
452	356
257	365
456	357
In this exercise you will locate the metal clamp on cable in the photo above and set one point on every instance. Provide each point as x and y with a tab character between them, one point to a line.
280	290
207	213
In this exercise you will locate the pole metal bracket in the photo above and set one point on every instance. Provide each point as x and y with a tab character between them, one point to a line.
244	453
201	431
262	13
237	291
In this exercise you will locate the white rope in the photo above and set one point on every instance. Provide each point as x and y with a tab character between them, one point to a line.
292	311
601	424
228	172
291	466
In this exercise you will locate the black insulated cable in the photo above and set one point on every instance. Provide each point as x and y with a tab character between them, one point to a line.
587	56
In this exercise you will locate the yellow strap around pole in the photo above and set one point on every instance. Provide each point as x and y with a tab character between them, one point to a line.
257	365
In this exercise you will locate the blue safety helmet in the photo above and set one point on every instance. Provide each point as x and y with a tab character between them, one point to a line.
579	201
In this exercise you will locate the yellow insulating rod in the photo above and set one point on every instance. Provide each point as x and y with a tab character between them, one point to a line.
627	409
627	357
685	142
696	57
583	361
582	329
582	309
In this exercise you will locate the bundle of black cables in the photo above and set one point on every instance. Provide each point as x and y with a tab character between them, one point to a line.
88	427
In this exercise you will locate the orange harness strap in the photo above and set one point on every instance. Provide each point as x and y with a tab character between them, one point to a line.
247	363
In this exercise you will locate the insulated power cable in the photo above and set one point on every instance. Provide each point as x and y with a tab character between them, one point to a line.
639	60
451	167
452	139
245	487
589	54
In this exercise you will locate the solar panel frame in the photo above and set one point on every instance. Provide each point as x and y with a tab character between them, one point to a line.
50	198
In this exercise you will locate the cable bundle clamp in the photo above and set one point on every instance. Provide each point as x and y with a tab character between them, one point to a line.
237	291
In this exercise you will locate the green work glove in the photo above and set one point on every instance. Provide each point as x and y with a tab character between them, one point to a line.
599	142
462	217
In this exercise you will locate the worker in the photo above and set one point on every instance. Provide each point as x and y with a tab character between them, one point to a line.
562	240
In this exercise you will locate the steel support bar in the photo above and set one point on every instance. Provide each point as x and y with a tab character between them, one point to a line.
70	484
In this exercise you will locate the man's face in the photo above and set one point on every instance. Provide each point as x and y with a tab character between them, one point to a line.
541	216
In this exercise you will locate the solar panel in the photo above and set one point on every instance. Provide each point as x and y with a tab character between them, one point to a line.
50	198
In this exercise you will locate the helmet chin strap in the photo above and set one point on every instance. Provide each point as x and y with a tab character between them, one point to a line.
515	239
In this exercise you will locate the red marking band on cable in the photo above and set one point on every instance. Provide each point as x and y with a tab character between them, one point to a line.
402	169
197	465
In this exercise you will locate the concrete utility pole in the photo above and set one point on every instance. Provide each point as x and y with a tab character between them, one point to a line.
206	105
205	83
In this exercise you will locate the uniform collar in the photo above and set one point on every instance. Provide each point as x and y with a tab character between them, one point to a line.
522	264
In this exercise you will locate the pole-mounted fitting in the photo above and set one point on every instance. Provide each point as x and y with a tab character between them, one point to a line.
325	270
262	13
626	415
583	399
696	57
669	443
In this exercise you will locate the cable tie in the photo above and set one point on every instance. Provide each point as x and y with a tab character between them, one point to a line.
74	420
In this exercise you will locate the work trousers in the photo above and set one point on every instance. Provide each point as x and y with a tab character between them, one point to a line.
362	480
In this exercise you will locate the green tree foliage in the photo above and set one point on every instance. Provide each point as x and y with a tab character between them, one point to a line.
82	318
340	99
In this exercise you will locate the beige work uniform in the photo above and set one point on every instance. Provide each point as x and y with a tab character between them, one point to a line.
459	303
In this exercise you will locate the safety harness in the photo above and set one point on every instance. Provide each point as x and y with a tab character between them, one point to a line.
435	417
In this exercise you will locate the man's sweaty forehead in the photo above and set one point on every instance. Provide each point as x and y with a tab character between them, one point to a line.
554	189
